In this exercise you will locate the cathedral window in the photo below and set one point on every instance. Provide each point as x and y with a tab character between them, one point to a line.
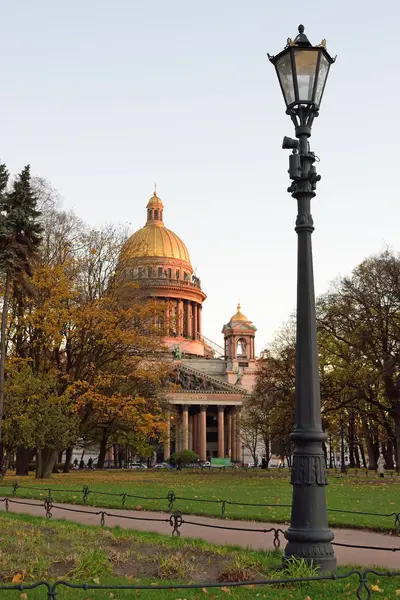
177	273
160	271
156	214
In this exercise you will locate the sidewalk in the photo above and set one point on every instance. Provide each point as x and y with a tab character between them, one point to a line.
246	539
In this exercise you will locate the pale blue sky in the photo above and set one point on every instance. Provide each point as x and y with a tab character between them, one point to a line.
105	97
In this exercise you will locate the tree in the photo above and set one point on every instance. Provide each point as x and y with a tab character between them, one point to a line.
273	400
250	430
90	335
359	329
20	236
37	415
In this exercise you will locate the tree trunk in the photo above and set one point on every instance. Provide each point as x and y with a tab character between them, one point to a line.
267	449
23	458
45	461
389	454
102	453
68	458
3	352
325	453
364	462
357	456
352	437
115	447
397	434
372	466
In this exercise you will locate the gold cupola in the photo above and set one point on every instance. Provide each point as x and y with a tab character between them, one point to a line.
154	239
239	316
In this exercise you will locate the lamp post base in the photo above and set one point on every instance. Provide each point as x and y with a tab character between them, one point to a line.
309	536
319	554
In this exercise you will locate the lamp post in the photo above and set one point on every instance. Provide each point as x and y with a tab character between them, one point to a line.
302	71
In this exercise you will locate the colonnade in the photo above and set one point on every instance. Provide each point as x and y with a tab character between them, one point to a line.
191	432
183	317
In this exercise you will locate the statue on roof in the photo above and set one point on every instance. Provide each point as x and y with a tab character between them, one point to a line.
177	352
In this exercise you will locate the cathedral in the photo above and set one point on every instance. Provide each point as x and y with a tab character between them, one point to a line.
211	381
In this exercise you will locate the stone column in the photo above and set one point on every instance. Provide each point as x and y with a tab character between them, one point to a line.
178	436
221	432
190	319
199	311
203	432
198	433
233	438
238	436
190	432
185	427
194	309
229	433
167	442
180	319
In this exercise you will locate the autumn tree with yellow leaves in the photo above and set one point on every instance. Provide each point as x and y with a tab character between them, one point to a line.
88	343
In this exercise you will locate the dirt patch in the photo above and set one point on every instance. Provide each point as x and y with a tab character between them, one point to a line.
147	561
59	570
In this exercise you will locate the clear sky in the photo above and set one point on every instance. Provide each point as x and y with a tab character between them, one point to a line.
105	97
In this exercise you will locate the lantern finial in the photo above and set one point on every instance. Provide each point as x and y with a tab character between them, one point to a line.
301	39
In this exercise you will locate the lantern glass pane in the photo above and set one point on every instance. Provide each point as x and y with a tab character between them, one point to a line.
306	67
284	70
322	75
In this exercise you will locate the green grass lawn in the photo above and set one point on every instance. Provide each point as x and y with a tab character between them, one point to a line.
363	494
34	549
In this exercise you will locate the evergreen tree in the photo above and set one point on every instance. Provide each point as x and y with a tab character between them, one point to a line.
20	237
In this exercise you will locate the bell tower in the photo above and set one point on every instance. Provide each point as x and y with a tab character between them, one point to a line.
239	336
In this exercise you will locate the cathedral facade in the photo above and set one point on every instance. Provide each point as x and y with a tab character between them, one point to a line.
212	382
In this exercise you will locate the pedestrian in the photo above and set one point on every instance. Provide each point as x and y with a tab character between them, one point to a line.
76	463
82	464
381	465
90	463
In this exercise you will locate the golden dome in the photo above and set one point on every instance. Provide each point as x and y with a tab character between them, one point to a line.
239	316
154	239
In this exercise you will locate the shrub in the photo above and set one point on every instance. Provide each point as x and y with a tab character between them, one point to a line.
184	457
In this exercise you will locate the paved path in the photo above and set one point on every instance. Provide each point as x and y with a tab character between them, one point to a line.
247	539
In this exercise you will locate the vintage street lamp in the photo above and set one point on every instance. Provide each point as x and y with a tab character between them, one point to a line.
302	71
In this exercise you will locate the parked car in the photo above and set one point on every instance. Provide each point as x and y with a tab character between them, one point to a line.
163	465
205	463
137	465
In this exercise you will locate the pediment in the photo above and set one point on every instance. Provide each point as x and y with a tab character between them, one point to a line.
192	380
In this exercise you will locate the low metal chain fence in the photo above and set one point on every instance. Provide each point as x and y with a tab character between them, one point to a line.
363	592
171	498
176	520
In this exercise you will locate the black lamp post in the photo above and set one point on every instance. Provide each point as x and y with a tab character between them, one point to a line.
302	71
